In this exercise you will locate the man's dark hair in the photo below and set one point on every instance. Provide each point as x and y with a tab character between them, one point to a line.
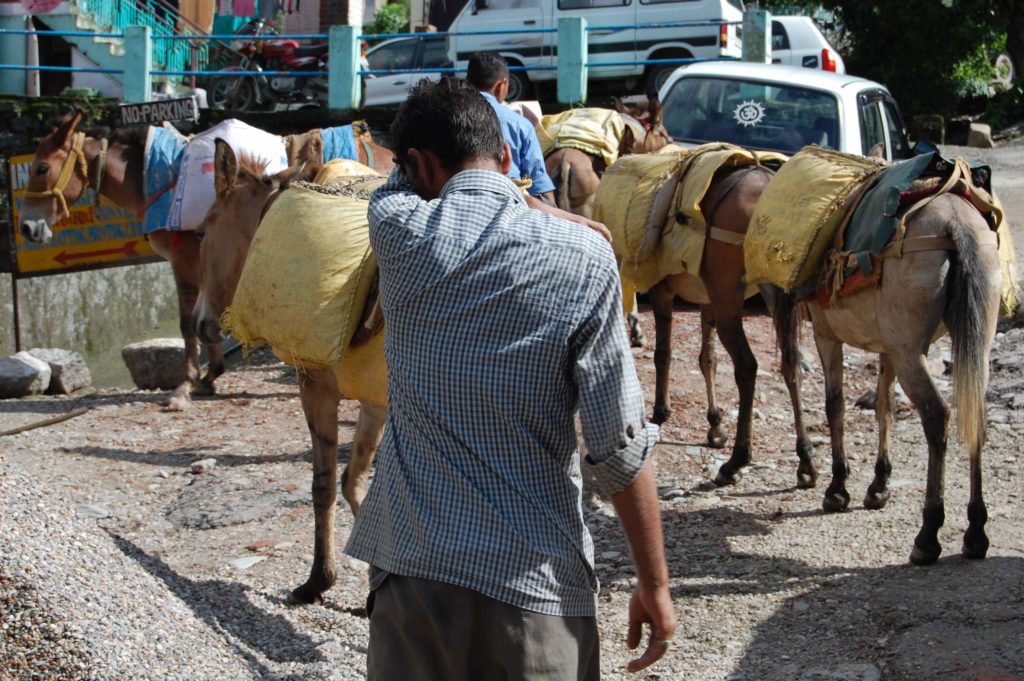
451	119
485	69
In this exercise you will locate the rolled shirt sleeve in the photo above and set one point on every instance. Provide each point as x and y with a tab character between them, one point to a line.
618	438
531	162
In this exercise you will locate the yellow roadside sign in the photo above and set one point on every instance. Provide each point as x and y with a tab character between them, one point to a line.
92	236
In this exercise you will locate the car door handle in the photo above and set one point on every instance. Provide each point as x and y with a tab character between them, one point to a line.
530	22
399	82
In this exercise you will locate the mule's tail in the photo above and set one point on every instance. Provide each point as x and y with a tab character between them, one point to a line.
562	185
970	318
786	317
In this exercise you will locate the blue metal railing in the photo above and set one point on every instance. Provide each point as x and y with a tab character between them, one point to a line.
341	40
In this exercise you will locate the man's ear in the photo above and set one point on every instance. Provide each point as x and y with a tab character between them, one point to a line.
506	158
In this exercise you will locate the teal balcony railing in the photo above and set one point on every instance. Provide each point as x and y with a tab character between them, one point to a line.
114	16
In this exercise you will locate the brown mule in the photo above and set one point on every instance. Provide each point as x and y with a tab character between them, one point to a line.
67	161
721	290
577	174
243	196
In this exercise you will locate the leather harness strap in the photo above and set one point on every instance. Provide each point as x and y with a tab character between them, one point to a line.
75	159
725	236
730	182
915	244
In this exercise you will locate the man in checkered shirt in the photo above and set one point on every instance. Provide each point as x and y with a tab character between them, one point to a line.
502	324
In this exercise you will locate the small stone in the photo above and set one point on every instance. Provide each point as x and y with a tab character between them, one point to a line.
608	555
203	466
91	511
246	562
163	474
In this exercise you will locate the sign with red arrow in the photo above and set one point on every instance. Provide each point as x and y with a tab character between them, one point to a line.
93	236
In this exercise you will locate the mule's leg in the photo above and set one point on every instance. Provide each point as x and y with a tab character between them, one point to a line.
786	322
708	362
214	370
637	339
975	541
831	352
355	480
913	376
320	398
181	250
662	299
878	493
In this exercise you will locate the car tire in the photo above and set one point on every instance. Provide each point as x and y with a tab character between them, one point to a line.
658	76
519	86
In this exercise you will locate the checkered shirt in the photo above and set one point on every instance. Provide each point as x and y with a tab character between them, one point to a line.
502	325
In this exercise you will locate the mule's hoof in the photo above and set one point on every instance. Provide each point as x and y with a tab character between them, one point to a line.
204	390
660	415
921	556
835	501
306	595
638	341
806	480
975	547
178	403
725	478
876	501
716	440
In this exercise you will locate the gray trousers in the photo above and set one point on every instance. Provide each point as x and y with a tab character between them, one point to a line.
422	630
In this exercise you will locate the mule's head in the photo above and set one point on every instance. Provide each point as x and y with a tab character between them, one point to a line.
57	178
244	192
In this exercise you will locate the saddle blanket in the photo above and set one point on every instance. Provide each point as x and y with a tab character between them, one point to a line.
591	130
339	142
195	192
164	147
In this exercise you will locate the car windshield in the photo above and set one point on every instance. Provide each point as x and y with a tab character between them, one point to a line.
751	114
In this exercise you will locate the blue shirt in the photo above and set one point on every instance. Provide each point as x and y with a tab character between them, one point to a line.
527	158
502	325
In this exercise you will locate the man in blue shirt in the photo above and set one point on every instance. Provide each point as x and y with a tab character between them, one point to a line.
488	73
503	324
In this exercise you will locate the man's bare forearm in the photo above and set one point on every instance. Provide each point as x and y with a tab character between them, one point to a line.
639	511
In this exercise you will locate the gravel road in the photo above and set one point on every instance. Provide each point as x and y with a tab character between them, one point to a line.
126	553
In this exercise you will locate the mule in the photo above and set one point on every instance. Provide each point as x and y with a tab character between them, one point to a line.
577	174
68	161
720	290
952	285
243	196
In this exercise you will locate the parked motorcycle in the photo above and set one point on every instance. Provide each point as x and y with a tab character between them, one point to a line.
256	53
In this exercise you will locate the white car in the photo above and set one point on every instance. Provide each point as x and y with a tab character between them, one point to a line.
781	108
422	52
797	41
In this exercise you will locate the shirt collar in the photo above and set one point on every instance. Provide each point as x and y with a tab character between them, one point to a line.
490	98
485	180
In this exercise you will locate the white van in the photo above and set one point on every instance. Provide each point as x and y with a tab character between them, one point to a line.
615	40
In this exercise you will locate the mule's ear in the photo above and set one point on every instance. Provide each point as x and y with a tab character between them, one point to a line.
627	142
225	167
300	172
68	126
655	112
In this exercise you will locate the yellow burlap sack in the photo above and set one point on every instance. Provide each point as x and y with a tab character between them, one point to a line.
796	218
627	200
1009	301
594	131
306	277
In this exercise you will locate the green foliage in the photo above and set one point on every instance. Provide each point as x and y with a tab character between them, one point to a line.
930	54
391	18
1004	109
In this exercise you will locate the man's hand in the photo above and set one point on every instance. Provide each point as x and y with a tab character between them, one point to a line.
653	608
534	202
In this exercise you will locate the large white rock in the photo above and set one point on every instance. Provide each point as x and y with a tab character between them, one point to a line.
69	371
22	374
156	364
